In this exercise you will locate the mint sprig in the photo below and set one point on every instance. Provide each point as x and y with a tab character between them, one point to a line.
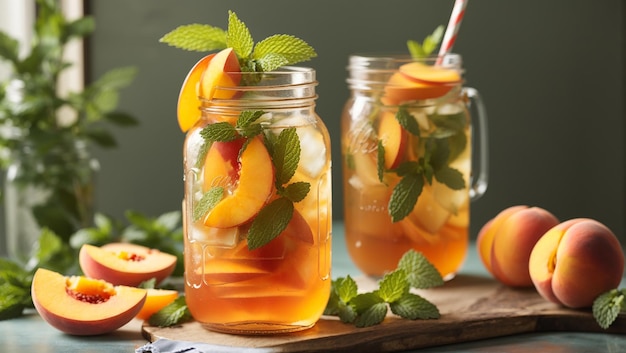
370	308
608	306
174	313
267	55
441	146
284	150
430	43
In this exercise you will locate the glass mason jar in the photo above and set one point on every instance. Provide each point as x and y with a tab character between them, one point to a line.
270	176
54	189
407	143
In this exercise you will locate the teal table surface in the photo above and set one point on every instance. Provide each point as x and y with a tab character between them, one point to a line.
31	334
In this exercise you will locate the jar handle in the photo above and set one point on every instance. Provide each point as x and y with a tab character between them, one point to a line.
478	181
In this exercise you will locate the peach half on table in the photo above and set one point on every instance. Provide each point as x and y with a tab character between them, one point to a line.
125	263
254	186
83	306
575	262
505	242
415	81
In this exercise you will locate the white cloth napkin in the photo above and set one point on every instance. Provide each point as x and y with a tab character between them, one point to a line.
164	345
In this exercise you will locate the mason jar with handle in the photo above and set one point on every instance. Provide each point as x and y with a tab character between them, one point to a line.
409	166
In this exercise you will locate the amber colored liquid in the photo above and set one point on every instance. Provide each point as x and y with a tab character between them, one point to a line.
437	226
281	287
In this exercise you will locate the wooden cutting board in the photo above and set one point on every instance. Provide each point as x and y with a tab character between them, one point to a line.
472	308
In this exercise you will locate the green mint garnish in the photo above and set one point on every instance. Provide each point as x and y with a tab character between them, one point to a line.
284	150
608	305
430	43
370	308
267	55
440	147
173	314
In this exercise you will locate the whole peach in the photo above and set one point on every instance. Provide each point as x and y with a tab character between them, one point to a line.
505	242
575	262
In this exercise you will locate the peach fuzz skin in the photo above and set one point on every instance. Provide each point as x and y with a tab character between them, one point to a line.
505	242
575	262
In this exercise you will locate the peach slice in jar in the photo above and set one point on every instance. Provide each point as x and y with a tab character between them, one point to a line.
222	71
415	81
430	75
394	139
255	186
188	112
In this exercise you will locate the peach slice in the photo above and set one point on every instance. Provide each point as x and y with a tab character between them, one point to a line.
394	139
125	263
430	75
79	305
255	186
221	166
222	71
188	109
576	261
156	299
401	89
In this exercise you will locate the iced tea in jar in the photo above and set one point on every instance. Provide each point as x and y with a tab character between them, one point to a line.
258	206
407	138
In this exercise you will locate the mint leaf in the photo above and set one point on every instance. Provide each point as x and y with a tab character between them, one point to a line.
393	286
286	155
372	316
207	202
380	161
270	222
407	121
404	196
362	302
148	284
451	177
221	131
247	117
346	288
292	49
297	191
607	307
270	62
238	36
430	43
412	306
173	314
196	37
420	273
13	300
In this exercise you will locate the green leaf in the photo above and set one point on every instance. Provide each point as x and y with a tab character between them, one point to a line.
79	28
412	306
407	121
116	78
196	37
12	300
286	155
451	177
404	196
173	314
238	36
380	161
221	131
362	302
148	284
420	273
346	288
101	137
432	41
207	202
607	306
372	316
121	119
270	222
248	117
294	50
297	191
270	62
393	286
9	48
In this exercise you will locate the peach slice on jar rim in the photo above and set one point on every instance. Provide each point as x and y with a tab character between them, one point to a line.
84	306
188	111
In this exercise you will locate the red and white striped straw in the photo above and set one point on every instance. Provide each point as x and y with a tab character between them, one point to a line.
452	30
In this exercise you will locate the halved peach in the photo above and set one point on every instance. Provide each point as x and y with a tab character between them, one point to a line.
125	263
79	305
156	299
393	138
430	75
223	71
256	184
188	109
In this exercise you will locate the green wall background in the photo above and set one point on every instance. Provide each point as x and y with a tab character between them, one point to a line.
551	74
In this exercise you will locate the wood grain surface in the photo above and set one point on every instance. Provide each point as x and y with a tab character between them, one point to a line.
472	308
